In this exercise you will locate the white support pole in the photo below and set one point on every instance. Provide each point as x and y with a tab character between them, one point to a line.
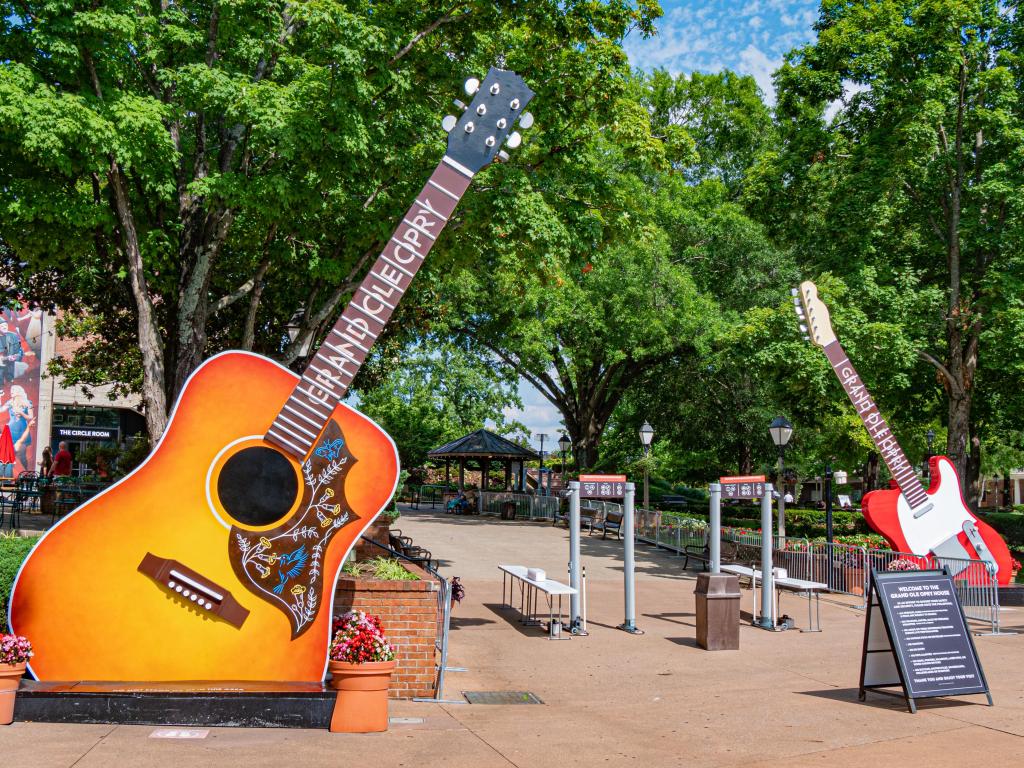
767	620
629	562
715	525
575	622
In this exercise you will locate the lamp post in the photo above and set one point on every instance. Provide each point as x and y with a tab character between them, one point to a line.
781	430
540	473
930	437
564	443
646	435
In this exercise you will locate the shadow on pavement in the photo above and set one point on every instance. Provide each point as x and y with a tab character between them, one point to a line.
883	701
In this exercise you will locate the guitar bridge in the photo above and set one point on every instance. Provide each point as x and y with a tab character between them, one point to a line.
189	585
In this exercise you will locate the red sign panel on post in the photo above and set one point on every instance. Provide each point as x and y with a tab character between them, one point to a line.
742	486
602	486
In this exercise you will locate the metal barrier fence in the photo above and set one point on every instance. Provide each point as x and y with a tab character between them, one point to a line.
430	494
524	505
976	583
443	624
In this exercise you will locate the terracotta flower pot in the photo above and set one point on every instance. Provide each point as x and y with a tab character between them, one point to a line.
362	705
10	678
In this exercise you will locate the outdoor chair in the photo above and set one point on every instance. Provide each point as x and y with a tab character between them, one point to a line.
404	546
612	521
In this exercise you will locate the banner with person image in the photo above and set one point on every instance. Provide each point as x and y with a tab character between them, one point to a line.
21	335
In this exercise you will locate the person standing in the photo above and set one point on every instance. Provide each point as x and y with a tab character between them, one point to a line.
62	461
20	419
47	462
10	353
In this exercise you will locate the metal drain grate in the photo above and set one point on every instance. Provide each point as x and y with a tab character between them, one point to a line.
501	697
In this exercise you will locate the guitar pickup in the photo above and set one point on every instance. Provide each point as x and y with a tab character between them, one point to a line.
189	585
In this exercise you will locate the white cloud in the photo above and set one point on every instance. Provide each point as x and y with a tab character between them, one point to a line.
755	22
849	89
754	61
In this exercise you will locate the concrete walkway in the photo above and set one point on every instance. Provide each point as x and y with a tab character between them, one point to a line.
610	699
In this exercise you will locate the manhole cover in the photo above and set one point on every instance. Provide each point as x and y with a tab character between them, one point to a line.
501	697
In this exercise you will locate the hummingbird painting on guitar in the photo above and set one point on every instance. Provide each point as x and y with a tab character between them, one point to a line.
935	521
216	559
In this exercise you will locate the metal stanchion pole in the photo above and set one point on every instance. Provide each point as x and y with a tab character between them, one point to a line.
575	621
715	534
629	572
767	620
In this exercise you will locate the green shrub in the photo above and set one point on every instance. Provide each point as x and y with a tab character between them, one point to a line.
385	568
13	551
1010	526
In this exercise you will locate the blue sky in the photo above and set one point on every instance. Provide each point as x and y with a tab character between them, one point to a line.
747	37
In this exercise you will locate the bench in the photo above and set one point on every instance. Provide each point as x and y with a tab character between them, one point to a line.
729	551
674	501
612	521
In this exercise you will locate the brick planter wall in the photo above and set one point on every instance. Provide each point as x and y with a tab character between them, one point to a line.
409	612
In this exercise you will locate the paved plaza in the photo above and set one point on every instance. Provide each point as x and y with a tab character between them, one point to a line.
609	699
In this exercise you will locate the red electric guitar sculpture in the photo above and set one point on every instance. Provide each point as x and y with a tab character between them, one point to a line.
216	559
911	519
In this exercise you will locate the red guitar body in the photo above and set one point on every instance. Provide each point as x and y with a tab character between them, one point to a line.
889	514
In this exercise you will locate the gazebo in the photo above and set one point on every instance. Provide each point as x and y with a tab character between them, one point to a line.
482	448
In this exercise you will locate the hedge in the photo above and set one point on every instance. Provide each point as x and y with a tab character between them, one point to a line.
1010	525
13	551
805	523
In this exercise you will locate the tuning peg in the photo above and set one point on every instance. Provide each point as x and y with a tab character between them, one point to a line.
469	127
502	156
459	104
490	141
794	291
472	86
495	89
526	120
449	122
806	337
514	140
803	328
514	104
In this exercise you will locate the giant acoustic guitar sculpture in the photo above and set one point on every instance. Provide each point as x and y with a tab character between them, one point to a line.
216	559
934	521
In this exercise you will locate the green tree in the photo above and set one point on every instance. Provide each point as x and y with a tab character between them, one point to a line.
209	170
918	174
438	395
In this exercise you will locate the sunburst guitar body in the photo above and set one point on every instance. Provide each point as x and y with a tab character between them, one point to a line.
216	559
93	615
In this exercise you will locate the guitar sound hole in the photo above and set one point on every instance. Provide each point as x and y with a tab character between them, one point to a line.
257	486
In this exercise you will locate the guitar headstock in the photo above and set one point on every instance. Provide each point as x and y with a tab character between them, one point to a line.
815	321
475	138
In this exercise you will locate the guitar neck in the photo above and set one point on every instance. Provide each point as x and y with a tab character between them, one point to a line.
888	447
331	370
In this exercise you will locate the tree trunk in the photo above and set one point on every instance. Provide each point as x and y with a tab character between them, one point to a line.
153	379
746	459
871	472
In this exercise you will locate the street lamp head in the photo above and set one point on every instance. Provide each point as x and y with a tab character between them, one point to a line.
646	434
780	430
930	436
564	443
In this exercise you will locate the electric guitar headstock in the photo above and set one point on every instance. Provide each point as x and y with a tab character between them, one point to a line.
476	137
815	321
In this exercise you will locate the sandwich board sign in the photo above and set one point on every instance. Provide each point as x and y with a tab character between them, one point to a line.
742	486
602	486
916	638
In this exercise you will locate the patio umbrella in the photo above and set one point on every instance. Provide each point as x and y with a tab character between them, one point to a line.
6	446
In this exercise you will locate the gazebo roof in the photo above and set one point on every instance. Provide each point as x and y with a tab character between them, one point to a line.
482	444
